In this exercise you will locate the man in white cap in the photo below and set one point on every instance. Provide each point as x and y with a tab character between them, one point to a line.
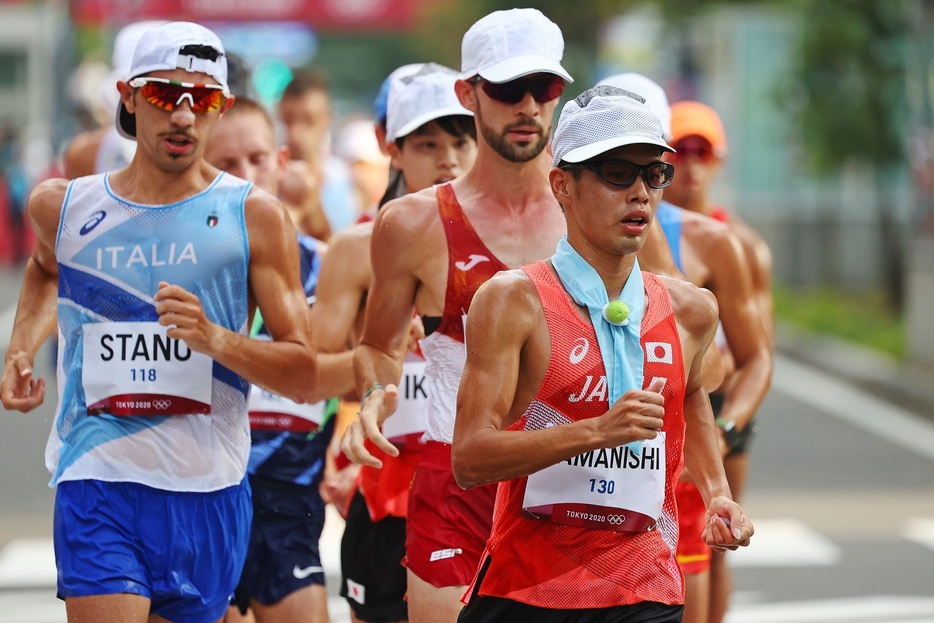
431	250
157	268
432	140
582	388
711	257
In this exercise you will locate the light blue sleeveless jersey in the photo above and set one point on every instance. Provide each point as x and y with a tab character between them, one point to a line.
112	254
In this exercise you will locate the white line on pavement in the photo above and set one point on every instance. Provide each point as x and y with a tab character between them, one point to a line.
853	405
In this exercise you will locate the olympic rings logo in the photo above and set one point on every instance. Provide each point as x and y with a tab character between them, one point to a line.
615	520
162	405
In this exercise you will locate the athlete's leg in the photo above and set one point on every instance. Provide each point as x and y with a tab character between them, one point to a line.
696	597
233	615
122	607
430	604
306	605
721	580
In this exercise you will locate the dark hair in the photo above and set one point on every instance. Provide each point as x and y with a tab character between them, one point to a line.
307	81
457	126
394	189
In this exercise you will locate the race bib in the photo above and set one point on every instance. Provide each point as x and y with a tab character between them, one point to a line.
412	405
269	411
619	489
134	368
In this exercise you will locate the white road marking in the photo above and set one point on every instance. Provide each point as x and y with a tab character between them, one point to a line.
786	543
873	609
26	563
859	408
920	530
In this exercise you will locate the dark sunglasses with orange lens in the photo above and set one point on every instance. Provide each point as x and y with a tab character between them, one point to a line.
543	87
168	94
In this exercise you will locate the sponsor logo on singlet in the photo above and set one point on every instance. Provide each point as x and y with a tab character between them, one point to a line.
93	222
474	260
581	346
442	554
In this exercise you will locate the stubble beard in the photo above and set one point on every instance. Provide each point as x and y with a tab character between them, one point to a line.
509	150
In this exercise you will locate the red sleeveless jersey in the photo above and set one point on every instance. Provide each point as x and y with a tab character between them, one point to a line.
554	565
470	263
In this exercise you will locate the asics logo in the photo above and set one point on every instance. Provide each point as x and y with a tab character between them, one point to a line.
302	573
441	554
93	222
474	260
581	346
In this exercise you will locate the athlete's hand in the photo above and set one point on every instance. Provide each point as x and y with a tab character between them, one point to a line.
19	390
181	311
727	525
637	416
338	487
374	409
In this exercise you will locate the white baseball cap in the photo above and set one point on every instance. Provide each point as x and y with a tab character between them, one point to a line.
653	93
381	101
163	48
604	118
415	100
506	45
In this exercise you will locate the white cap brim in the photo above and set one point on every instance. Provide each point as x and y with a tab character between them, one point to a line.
587	152
519	66
421	120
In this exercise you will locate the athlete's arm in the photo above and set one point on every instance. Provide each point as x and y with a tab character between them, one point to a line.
342	284
389	308
504	368
759	257
730	279
696	313
286	365
36	310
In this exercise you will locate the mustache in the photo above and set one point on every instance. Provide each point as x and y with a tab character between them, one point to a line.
528	124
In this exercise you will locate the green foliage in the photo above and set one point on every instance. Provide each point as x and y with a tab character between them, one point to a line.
847	83
865	319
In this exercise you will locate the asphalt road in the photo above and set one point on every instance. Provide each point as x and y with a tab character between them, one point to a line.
841	493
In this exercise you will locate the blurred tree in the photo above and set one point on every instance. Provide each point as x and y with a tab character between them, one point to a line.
848	88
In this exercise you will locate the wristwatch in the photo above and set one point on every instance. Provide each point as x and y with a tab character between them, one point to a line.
732	434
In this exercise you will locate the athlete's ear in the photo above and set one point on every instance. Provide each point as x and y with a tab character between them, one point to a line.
466	94
228	103
394	154
283	155
559	179
126	95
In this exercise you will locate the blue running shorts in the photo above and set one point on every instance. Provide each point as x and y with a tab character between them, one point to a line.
184	551
283	555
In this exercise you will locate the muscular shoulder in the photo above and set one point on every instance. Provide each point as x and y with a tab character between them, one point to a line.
695	308
508	298
409	215
267	221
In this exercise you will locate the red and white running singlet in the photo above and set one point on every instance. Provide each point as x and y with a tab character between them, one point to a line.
611	556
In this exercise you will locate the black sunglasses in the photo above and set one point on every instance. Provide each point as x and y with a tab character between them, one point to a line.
623	173
544	88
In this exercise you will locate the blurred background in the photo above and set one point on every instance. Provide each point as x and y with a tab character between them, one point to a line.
828	107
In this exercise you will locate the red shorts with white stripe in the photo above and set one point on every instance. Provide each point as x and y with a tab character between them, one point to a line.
447	526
